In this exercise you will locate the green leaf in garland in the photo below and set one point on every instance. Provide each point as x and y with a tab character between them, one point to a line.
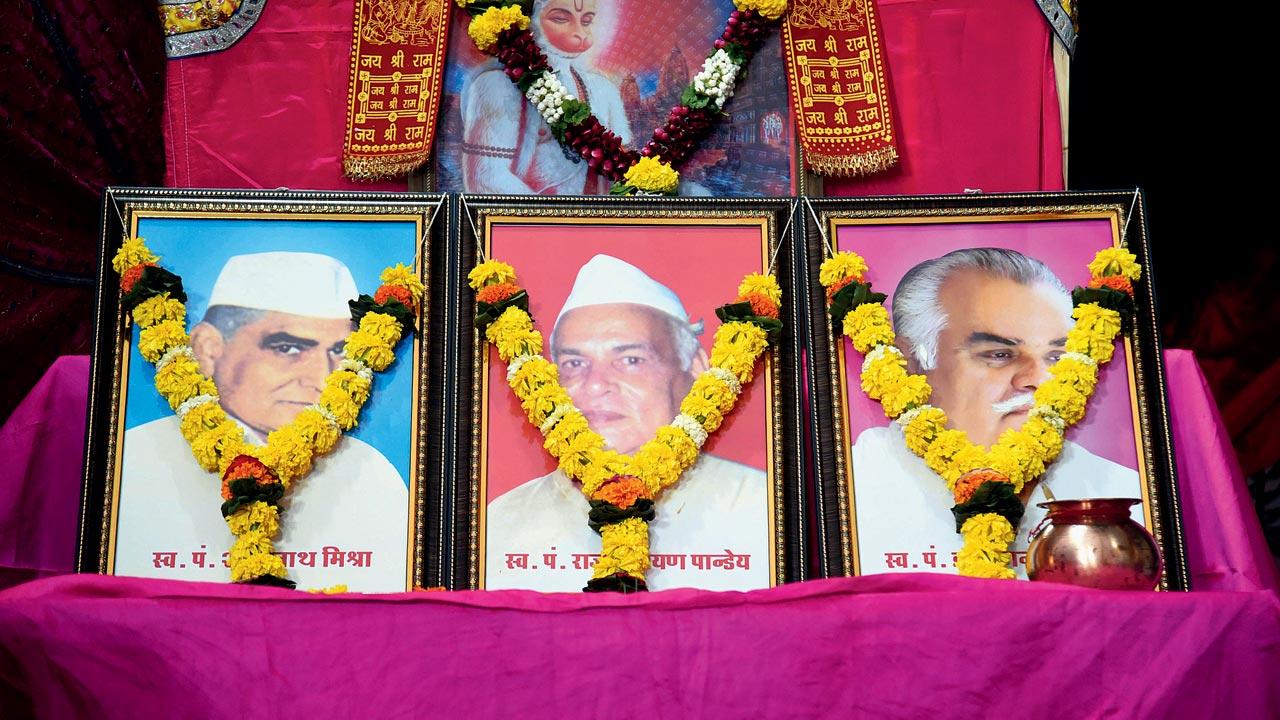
575	111
154	281
1110	299
246	491
606	513
742	312
990	497
486	313
478	7
738	55
623	188
393	307
693	99
851	296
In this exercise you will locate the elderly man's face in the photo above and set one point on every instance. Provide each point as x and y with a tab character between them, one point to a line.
566	24
273	368
619	364
999	341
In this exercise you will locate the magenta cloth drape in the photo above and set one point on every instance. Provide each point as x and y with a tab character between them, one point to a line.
896	646
877	646
974	101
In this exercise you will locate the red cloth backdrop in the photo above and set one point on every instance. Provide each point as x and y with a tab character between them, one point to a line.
973	96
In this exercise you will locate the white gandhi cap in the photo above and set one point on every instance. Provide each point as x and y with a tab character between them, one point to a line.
606	280
289	282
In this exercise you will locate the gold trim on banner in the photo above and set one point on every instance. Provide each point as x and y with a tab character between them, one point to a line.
839	87
397	68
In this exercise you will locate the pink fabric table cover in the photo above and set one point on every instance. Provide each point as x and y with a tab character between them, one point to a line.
879	646
906	645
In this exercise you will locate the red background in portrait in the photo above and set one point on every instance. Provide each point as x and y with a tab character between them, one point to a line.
702	264
1066	246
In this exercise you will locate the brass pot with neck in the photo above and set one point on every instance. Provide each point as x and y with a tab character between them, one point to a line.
1094	543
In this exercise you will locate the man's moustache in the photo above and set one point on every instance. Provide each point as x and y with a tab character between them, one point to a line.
1017	403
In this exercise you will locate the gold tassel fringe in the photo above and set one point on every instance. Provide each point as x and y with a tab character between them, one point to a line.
852	165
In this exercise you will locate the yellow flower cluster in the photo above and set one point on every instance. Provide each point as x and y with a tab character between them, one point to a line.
160	338
766	285
513	334
868	326
345	391
490	272
885	378
374	342
986	547
624	547
652	175
180	379
133	251
771	9
1095	331
1068	389
404	276
923	428
736	348
484	28
158	309
256	517
1116	261
840	266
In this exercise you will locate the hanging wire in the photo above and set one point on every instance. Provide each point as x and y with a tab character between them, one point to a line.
475	232
422	241
1132	204
818	223
777	246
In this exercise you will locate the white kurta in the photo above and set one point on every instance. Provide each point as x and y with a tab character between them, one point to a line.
718	509
904	507
353	500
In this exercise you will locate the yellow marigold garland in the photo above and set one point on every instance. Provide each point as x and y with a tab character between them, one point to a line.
624	486
256	477
1019	456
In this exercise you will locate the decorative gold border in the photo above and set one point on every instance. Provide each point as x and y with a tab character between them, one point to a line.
134	211
601	216
832	220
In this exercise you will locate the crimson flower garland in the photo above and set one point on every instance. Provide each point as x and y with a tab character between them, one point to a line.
501	28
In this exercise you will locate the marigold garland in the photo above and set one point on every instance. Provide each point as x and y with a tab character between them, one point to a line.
255	478
501	28
985	482
622	488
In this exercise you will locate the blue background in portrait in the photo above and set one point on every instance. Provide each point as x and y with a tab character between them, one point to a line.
197	248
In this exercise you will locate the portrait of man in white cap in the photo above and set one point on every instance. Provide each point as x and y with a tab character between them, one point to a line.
273	330
628	353
983	325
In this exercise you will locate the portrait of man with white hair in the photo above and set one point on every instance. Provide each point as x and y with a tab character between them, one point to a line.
628	352
273	330
983	325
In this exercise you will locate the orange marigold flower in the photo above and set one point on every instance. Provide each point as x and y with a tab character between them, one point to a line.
496	293
395	292
133	275
838	286
969	483
246	466
760	304
621	491
1114	282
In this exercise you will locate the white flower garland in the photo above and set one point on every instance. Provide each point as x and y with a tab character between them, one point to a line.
717	78
548	94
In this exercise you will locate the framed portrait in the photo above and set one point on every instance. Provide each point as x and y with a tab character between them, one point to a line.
268	277
624	291
630	62
979	291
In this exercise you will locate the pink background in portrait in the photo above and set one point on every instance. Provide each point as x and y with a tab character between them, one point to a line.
702	264
1066	246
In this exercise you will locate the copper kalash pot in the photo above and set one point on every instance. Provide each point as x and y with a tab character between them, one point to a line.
1094	543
